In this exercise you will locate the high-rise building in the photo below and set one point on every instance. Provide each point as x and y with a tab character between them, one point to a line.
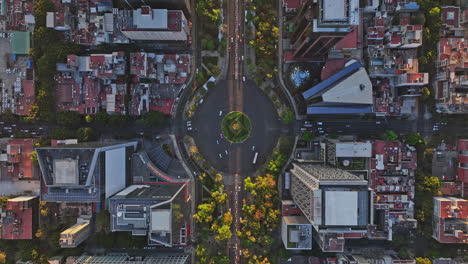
159	211
320	25
337	203
86	172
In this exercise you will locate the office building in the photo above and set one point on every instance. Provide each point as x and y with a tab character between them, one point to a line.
86	172
159	211
337	203
319	25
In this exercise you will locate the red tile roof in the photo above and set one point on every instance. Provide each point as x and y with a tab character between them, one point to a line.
455	21
28	98
292	3
21	219
20	157
349	41
331	67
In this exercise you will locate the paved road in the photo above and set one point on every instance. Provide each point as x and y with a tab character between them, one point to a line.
362	127
234	93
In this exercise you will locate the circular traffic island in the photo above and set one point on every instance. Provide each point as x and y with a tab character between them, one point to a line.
236	127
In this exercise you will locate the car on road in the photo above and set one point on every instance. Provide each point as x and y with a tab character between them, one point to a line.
242	57
306	122
319	123
308	125
217	142
378	123
253	148
226	152
219	154
243	78
348	125
221	135
319	128
189	128
232	39
220	113
201	101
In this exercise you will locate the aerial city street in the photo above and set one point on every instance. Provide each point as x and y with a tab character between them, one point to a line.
234	131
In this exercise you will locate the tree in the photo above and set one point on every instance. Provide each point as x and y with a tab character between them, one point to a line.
431	184
88	119
33	158
390	135
223	233
210	85
415	140
421	260
102	221
86	134
287	116
68	119
155	119
205	213
3	257
308	135
101	118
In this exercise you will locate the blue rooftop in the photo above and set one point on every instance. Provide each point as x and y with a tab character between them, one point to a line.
411	5
315	110
333	79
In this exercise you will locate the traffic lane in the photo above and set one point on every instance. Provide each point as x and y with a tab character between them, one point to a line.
207	128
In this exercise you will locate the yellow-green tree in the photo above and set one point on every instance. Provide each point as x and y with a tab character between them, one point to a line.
205	213
223	233
3	257
421	260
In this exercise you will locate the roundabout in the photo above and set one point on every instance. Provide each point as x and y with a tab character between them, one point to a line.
236	127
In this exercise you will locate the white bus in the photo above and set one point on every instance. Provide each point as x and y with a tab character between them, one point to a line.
255	158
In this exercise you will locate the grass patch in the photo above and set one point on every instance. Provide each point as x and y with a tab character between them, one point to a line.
236	127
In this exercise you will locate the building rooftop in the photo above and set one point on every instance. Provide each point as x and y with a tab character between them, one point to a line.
347	91
296	232
328	174
20	220
353	149
157	210
170	258
20	42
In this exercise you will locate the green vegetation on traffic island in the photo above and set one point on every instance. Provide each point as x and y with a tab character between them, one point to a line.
236	127
260	210
263	14
213	222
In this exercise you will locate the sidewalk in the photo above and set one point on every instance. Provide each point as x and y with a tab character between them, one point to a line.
280	60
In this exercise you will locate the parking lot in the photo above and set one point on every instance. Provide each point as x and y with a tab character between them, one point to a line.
11	73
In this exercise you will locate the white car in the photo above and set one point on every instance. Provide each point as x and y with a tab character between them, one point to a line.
220	113
243	78
319	123
232	39
242	57
189	128
378	122
201	101
219	154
